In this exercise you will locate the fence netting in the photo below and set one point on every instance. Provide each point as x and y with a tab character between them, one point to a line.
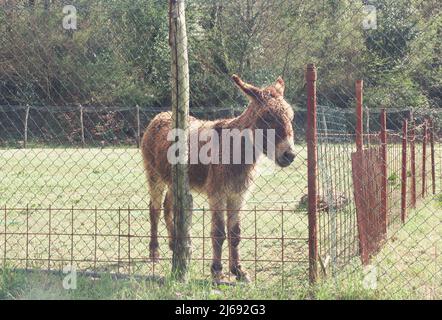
81	80
337	217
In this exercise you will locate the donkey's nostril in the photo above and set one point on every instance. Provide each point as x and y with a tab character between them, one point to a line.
289	156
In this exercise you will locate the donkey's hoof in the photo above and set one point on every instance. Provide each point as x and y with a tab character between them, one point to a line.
245	277
219	278
241	274
154	256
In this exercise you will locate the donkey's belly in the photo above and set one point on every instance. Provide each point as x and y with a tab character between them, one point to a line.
198	176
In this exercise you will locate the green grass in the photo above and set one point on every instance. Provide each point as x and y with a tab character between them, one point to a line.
408	267
113	180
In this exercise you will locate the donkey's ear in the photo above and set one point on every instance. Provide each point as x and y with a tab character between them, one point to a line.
250	91
280	86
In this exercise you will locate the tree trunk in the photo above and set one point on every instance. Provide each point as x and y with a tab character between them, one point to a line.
183	202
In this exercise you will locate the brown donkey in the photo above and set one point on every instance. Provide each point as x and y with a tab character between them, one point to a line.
224	184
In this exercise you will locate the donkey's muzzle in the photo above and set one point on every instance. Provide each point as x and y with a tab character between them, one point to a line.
286	159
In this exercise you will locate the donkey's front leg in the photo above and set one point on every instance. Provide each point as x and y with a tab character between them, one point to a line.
156	190
218	234
234	205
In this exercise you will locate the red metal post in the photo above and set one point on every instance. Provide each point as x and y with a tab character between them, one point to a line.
384	202
413	162
312	159
433	163
424	159
404	171
359	115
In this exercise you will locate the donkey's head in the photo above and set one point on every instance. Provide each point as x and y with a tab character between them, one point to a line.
269	110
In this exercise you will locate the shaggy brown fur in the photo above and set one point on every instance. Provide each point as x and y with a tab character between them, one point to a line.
224	184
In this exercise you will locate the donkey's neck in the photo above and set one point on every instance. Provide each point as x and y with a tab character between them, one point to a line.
247	119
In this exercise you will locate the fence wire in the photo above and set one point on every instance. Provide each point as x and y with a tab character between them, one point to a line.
76	101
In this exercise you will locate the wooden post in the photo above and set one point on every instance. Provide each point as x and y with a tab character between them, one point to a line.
82	125
424	159
384	192
183	202
312	160
404	172
25	143
359	116
413	161
433	163
138	127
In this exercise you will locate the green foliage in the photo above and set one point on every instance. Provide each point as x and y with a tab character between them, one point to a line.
439	199
119	56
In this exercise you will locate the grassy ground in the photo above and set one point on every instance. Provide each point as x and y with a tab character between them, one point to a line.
73	182
113	180
408	267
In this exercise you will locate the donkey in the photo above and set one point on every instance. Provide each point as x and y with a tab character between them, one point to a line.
225	185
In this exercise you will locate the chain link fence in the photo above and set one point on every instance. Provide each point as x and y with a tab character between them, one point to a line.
81	80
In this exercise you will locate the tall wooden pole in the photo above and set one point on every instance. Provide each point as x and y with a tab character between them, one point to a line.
312	163
182	198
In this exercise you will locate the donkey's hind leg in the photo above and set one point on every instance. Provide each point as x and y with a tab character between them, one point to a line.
156	194
168	216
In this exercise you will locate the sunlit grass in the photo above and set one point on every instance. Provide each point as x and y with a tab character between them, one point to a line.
113	179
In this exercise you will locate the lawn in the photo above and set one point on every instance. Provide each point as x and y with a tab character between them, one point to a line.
89	206
113	178
100	196
408	267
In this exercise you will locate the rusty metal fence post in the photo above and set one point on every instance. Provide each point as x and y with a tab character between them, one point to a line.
404	171
433	163
413	162
359	147
384	201
359	115
312	155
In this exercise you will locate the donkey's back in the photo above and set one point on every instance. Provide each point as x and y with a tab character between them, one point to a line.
155	146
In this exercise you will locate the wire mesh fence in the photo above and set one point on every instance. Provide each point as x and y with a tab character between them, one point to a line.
116	241
337	224
75	103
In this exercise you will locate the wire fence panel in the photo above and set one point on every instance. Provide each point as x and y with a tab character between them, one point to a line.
337	218
367	179
85	111
116	241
